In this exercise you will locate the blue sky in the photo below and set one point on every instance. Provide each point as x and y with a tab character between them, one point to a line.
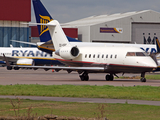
70	10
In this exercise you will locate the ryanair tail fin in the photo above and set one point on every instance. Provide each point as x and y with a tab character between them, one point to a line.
158	45
42	16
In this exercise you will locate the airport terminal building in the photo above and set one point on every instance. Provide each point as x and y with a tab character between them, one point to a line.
12	14
139	27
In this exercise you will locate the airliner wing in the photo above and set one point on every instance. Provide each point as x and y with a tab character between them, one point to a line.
10	59
61	68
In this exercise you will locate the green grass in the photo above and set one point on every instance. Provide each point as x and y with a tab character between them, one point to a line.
153	77
148	77
86	91
86	110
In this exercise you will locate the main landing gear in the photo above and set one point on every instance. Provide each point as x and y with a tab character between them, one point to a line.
143	79
84	76
109	77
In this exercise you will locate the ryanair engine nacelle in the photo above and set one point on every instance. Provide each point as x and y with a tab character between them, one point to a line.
68	52
25	62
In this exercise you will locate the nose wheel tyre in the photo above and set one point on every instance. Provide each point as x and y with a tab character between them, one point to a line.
143	79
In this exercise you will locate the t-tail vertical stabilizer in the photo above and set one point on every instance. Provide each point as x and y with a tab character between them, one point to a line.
58	36
61	44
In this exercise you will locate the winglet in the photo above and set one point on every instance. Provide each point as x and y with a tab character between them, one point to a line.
9	67
7	63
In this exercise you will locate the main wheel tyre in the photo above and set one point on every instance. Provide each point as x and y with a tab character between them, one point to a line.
9	68
16	68
81	77
86	78
107	77
111	77
143	79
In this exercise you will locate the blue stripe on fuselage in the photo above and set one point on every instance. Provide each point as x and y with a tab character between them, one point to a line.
47	62
152	50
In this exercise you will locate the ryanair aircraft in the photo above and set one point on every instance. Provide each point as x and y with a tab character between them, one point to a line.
27	56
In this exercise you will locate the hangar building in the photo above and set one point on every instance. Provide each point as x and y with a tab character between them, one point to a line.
12	14
133	27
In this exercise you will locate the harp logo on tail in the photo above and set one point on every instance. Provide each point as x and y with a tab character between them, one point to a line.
44	20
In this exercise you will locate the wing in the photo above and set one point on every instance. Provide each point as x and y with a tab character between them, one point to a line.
10	59
57	68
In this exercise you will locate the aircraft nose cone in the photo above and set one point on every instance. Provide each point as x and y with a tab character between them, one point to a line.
149	63
152	64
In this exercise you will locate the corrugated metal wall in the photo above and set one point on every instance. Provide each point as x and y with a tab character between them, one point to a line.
12	13
145	33
14	33
13	30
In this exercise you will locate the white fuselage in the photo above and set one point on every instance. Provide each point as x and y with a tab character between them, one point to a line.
146	47
113	58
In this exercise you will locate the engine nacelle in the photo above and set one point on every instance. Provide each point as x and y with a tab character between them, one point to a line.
25	62
68	52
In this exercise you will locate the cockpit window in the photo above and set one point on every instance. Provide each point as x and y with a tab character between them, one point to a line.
136	54
131	54
139	54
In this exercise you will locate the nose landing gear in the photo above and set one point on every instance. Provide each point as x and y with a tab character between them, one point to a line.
143	79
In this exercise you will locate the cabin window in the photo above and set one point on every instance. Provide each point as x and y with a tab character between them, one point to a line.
102	56
86	56
94	56
98	56
106	56
89	55
115	56
111	56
